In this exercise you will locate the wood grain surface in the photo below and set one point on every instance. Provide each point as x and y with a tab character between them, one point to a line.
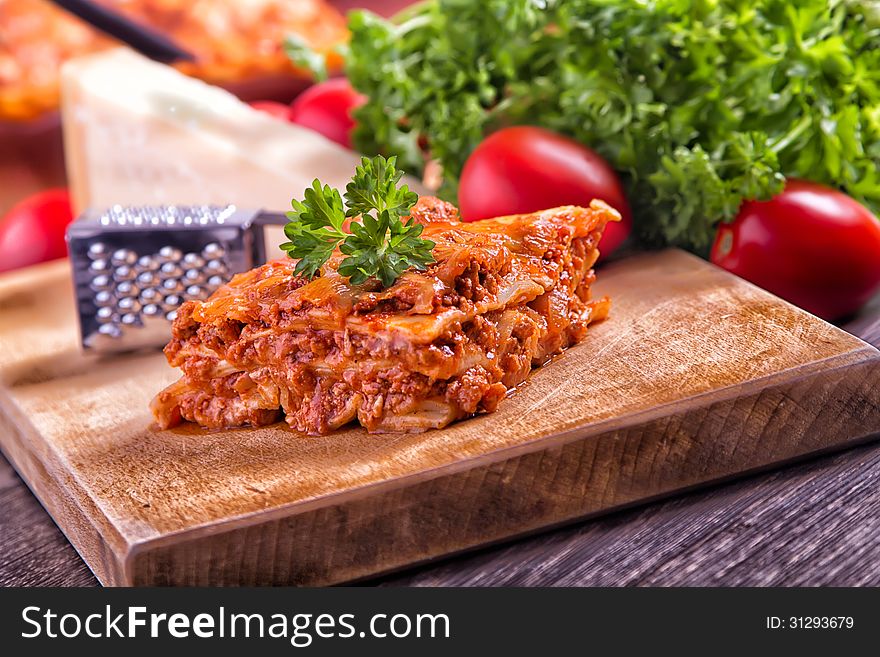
745	382
812	524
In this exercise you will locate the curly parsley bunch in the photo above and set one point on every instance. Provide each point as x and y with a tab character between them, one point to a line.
698	105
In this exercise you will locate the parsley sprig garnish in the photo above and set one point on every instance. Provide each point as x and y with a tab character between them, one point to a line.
380	243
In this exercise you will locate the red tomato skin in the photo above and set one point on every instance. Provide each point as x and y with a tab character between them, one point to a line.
526	169
272	108
33	230
811	245
326	108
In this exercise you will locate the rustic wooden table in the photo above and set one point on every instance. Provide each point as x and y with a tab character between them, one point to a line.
814	523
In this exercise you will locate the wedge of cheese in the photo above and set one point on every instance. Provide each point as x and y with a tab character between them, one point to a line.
140	133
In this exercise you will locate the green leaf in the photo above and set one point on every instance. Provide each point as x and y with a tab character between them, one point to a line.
322	206
313	249
305	57
315	228
374	188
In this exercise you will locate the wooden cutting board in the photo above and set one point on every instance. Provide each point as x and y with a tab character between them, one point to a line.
696	376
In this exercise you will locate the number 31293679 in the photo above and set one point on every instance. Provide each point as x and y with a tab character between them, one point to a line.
810	623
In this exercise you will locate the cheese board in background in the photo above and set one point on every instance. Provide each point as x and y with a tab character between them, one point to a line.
696	376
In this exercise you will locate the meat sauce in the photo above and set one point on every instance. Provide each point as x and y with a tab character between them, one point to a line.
504	295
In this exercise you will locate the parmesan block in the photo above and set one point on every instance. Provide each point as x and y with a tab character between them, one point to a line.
139	133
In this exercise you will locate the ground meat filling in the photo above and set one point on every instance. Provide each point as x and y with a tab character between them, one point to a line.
249	357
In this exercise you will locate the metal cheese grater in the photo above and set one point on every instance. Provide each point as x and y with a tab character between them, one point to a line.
134	266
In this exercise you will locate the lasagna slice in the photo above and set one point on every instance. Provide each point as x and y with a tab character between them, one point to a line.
503	296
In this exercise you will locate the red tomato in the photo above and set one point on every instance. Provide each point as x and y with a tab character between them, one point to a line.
33	230
326	108
810	245
525	169
278	110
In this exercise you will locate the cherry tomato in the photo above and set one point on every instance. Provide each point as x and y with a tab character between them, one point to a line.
33	230
278	110
811	245
326	108
526	169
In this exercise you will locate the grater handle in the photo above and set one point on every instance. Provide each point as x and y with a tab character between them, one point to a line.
271	219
